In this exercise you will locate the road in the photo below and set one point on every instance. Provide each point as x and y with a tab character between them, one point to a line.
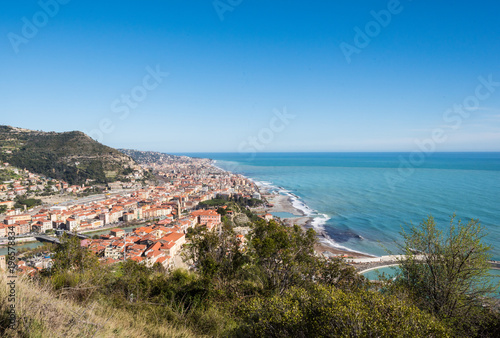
96	198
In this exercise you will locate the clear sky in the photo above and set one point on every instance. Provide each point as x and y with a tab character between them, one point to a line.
351	83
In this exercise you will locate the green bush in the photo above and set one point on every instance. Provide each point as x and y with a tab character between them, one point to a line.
329	312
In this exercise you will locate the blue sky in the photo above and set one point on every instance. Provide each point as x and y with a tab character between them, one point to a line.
231	67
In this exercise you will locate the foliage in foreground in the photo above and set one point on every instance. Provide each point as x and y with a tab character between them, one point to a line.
329	312
445	273
272	286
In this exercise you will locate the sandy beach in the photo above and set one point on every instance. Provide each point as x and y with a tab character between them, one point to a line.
283	203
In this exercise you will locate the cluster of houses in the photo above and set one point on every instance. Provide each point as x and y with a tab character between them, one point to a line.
188	182
170	210
29	265
142	205
24	182
158	243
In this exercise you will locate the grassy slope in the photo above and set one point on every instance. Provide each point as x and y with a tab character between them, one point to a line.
42	314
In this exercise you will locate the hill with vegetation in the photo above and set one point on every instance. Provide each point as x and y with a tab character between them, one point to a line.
70	156
149	157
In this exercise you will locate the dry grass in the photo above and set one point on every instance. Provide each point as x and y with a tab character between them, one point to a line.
41	313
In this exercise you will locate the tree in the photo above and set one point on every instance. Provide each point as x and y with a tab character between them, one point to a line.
446	273
75	272
336	272
215	253
285	255
3	208
70	255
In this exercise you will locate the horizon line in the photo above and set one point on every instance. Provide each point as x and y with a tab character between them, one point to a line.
325	152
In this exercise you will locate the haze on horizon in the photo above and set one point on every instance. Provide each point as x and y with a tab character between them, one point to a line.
229	76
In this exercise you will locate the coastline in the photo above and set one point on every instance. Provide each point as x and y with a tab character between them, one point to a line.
379	225
286	202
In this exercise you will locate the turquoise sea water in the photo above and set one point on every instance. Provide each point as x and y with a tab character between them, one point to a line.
389	272
363	199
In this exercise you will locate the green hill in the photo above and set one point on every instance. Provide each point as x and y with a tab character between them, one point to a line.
149	157
71	156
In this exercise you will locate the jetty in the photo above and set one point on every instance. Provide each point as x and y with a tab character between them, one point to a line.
371	263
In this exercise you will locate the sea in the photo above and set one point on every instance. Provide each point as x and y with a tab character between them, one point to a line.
364	200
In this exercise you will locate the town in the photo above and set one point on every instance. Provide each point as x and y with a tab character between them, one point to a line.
162	214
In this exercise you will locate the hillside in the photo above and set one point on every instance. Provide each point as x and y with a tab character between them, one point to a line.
149	157
42	313
70	156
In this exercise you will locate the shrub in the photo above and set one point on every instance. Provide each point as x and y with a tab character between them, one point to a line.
329	312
